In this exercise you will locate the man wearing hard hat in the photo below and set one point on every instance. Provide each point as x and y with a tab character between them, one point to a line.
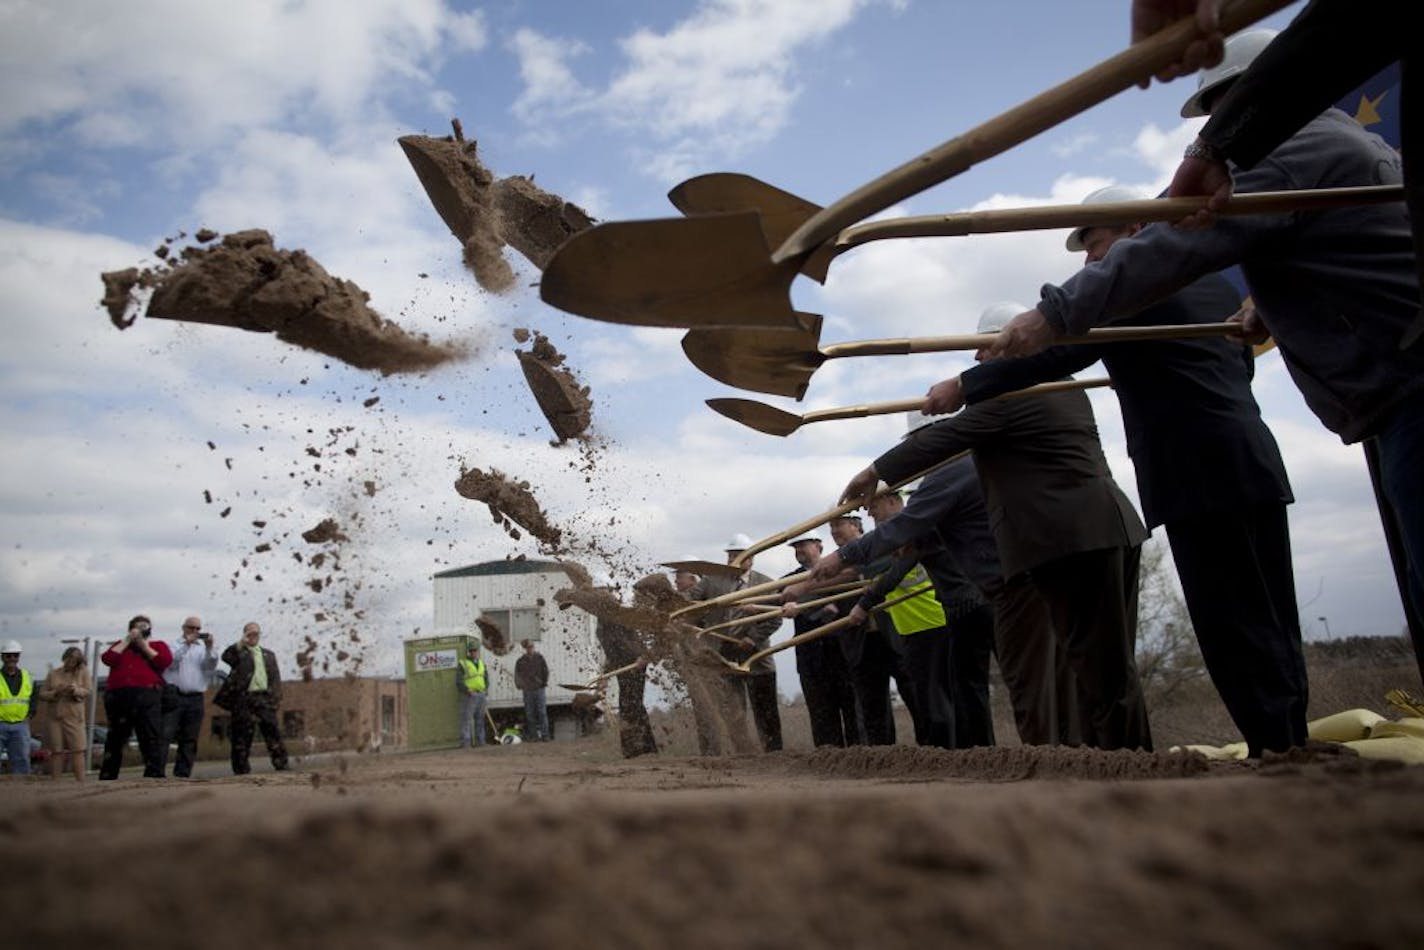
17	707
474	688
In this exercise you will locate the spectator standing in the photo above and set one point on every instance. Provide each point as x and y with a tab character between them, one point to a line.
133	699
17	708
67	691
473	683
253	692
531	675
184	683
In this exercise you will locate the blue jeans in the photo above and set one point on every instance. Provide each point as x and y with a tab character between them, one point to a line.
536	715
15	737
473	711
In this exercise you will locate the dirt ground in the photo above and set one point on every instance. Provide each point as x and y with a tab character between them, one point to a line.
566	845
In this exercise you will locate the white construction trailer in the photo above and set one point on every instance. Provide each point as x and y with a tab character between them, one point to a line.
518	597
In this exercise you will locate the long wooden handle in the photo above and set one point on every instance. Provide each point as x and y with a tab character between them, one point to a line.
769	613
973	341
827	628
1138	62
1109	213
908	405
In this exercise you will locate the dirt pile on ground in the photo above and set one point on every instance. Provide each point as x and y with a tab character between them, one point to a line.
510	503
245	281
1004	764
486	214
735	852
563	401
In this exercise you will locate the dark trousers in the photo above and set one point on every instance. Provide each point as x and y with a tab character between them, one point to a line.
971	641
766	709
256	711
1035	666
1237	578
877	664
830	704
133	710
1400	464
182	723
1092	598
635	732
927	662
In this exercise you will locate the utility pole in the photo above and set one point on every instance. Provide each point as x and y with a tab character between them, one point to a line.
1327	627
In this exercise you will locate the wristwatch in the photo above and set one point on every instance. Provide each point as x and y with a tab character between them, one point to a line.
1196	148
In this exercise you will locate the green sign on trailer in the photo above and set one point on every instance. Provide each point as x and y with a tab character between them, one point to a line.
432	666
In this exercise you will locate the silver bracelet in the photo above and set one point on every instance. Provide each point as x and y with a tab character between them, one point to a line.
1203	150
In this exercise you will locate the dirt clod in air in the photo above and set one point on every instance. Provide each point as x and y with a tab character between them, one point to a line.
510	503
326	530
494	637
556	389
486	214
245	281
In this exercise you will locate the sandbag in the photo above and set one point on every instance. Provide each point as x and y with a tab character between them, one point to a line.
1407	749
1347	726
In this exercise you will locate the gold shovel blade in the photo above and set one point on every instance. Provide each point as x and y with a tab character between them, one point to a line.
776	361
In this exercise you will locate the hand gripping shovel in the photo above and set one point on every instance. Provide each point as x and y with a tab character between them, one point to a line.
738	563
782	362
841	593
774	421
712	270
824	630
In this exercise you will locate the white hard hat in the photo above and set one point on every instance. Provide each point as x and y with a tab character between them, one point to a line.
997	315
803	538
739	542
1101	197
1237	54
11	646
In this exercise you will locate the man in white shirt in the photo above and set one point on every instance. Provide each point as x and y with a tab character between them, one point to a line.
184	683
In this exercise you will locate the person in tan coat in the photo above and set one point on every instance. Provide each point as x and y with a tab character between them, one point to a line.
67	689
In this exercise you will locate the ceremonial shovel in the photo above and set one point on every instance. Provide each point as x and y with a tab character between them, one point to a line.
774	421
842	592
593	683
738	563
716	270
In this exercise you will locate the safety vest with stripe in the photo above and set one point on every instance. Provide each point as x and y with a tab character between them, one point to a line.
474	674
918	613
16	708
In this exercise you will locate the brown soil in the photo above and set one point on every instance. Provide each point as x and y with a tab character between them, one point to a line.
510	503
493	635
326	530
570	846
246	282
485	213
563	401
605	606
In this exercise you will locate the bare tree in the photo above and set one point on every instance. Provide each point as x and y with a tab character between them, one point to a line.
1168	658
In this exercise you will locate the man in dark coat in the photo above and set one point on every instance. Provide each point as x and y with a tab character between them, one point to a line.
820	664
252	693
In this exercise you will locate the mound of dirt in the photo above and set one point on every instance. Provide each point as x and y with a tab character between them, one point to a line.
245	281
556	389
510	503
1004	764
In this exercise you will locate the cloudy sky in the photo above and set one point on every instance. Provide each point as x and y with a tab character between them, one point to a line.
122	125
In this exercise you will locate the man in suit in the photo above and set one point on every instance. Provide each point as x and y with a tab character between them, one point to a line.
253	692
820	664
1058	515
1208	469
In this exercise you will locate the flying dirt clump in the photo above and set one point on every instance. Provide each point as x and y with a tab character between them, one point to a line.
556	389
245	281
510	503
326	530
493	635
486	214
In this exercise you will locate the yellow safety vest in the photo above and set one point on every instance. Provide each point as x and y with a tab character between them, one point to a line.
474	678
918	613
16	708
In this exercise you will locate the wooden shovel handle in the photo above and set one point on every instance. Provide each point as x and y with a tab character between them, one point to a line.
826	629
854	591
973	341
1140	61
1110	213
909	405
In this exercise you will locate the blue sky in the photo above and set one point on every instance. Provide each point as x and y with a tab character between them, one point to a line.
126	123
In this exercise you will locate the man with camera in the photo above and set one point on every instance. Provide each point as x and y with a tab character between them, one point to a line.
133	699
184	683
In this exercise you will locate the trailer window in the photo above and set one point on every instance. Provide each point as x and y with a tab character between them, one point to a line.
521	623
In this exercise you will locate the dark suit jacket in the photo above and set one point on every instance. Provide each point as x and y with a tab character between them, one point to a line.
715	585
1046	484
240	659
1193	429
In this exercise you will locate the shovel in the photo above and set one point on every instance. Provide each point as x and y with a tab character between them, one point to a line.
729	192
713	269
594	683
853	590
738	563
782	362
774	421
824	630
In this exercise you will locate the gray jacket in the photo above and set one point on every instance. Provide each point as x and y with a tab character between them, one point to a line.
1337	289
